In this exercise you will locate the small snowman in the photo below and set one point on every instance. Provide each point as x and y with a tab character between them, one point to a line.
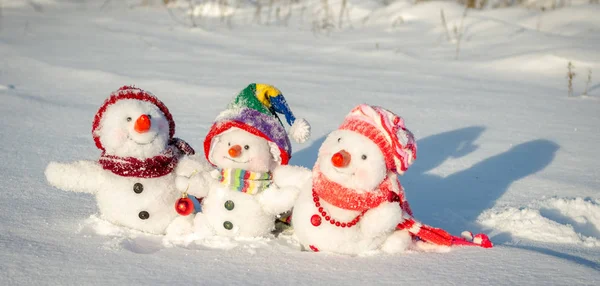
354	203
247	143
134	178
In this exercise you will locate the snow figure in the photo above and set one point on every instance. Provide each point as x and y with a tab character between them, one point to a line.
134	179
354	202
244	195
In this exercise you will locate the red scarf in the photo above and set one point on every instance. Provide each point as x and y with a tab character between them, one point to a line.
154	167
350	199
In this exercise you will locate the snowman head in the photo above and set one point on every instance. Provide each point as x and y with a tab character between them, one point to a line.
352	160
370	143
238	149
133	123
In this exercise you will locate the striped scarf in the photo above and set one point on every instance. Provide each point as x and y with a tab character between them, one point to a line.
245	181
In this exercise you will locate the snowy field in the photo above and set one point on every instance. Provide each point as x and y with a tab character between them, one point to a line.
503	148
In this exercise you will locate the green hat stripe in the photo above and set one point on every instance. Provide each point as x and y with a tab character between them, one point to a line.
247	98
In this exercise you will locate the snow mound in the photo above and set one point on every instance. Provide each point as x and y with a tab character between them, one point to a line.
126	239
248	245
557	220
121	238
580	20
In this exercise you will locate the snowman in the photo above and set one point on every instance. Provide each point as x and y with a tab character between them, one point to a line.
134	178
354	202
244	196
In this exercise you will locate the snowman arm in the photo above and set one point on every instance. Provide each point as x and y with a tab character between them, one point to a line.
276	200
281	195
196	185
381	219
193	175
190	165
291	176
80	176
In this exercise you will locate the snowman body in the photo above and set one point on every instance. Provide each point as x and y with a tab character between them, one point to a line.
320	225
144	204
230	211
129	130
140	203
327	236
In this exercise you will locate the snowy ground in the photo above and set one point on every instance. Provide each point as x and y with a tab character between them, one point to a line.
502	148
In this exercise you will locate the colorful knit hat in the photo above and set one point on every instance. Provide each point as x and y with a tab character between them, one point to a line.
130	92
387	130
255	110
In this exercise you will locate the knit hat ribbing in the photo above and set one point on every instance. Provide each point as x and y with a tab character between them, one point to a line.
130	92
387	131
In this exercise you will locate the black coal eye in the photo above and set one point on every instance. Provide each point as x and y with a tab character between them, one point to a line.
246	147
339	139
364	157
149	116
128	119
228	143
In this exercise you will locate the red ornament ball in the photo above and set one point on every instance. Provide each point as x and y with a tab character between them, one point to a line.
184	206
315	220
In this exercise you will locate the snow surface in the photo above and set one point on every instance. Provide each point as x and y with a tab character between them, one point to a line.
502	148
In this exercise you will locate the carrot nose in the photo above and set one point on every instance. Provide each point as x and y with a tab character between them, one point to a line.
235	151
142	124
341	159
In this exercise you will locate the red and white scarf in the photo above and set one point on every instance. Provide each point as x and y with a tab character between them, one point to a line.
389	190
154	167
347	198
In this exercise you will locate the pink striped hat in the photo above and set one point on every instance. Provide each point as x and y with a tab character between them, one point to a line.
387	130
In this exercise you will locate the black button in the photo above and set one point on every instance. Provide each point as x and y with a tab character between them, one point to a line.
144	215
228	225
229	205
138	188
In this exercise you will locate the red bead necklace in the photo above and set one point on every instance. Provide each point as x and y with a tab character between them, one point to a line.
315	220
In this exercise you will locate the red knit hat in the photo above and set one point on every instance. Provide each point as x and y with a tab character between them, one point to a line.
130	92
387	130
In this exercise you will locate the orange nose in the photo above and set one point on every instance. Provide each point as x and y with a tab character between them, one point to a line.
341	159
235	151
142	124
